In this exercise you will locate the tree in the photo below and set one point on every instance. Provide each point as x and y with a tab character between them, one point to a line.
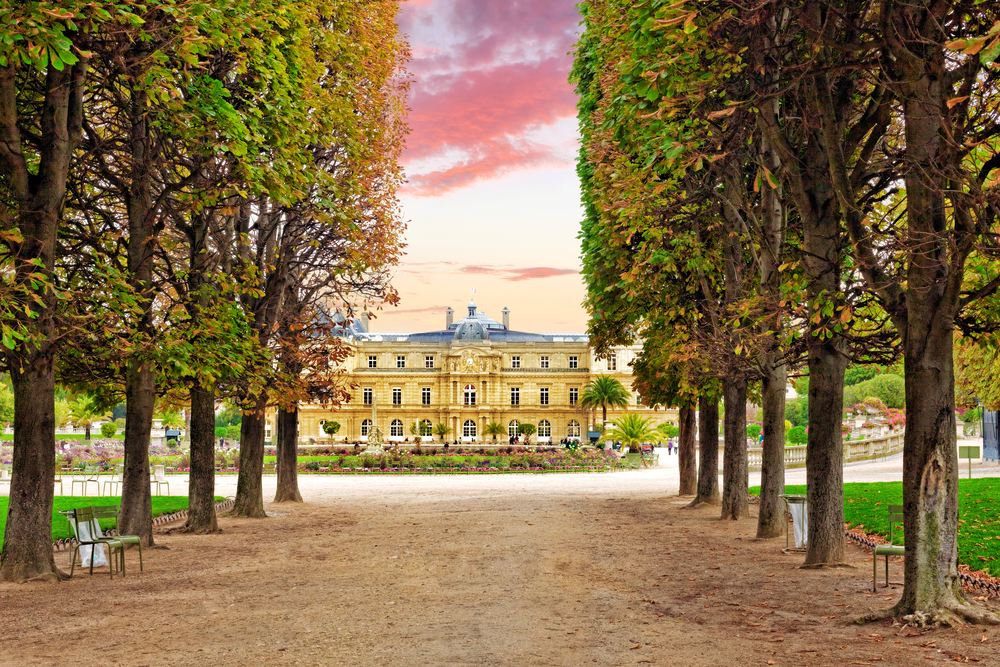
494	429
604	391
708	448
331	428
631	430
527	430
442	430
686	460
42	82
668	430
109	429
83	414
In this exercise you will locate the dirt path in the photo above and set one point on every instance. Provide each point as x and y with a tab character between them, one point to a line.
498	570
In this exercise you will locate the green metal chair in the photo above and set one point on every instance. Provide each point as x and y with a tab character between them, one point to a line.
159	479
110	485
891	549
111	512
87	531
89	475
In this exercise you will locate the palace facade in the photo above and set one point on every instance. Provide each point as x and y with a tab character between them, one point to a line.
472	372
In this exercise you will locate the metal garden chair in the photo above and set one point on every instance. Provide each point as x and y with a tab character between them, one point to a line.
895	517
87	531
111	512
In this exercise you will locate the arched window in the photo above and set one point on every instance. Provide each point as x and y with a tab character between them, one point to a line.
512	428
573	429
426	427
469	429
470	394
366	426
396	429
544	429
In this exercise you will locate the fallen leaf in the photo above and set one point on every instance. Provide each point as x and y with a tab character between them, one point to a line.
985	637
635	647
770	662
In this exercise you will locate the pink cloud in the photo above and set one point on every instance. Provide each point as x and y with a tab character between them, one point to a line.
486	74
518	274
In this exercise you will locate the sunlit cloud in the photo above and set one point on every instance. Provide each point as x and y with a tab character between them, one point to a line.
489	89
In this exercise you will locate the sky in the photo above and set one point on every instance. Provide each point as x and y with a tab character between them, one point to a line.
492	200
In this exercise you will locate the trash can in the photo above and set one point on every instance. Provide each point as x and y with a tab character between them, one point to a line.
797	508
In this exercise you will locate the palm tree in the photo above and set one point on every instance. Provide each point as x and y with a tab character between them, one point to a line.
604	391
442	430
494	429
631	430
84	413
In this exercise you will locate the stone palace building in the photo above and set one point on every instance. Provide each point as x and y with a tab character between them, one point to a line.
472	372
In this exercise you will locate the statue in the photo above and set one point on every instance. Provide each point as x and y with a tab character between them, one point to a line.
374	433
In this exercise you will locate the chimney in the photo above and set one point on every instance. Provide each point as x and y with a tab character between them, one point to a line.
363	321
506	318
449	315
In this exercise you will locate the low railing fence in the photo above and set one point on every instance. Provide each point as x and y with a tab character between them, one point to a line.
854	450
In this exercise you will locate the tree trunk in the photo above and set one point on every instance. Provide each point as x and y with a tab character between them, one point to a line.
825	452
136	514
201	490
686	453
249	485
140	376
86	432
771	520
27	545
708	452
932	591
288	464
734	463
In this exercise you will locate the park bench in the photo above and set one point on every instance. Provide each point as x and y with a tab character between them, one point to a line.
895	516
87	531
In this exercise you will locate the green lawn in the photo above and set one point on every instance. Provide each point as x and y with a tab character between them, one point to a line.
60	527
866	506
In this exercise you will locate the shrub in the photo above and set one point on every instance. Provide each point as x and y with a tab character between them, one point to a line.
109	429
797	435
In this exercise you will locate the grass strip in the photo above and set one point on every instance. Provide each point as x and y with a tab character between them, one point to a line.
866	506
60	526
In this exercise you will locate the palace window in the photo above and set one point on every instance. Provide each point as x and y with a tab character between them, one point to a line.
372	361
396	429
515	396
400	361
512	428
544	429
574	395
543	396
515	362
367	393
574	362
397	395
613	362
429	361
573	429
543	362
469	429
425	395
366	426
470	394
